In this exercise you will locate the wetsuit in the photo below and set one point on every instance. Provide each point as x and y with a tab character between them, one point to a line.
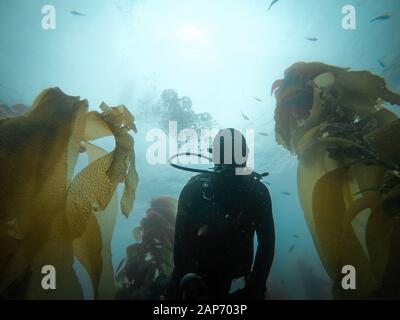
217	218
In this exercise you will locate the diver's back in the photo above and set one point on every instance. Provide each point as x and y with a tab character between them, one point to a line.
223	209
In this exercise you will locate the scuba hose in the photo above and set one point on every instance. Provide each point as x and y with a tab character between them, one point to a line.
214	170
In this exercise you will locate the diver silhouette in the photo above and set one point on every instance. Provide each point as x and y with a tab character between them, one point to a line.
219	213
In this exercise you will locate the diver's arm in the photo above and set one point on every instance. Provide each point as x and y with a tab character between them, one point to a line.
266	246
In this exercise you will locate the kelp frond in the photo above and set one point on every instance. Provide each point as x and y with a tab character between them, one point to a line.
47	215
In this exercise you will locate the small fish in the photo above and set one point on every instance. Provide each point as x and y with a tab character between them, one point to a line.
257	99
264	134
383	17
272	3
268	183
291	248
296	236
244	116
285	193
312	39
77	13
381	63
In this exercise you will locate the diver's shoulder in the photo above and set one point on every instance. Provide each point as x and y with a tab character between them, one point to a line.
198	180
261	185
201	177
261	188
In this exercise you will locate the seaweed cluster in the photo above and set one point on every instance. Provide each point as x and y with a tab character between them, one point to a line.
9	112
146	270
336	122
50	214
179	109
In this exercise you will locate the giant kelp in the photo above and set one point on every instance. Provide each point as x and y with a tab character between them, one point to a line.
336	122
179	109
145	272
50	214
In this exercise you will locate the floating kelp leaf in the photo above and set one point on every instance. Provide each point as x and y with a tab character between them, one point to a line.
337	238
87	249
50	209
99	161
34	166
366	83
119	116
57	251
108	171
378	234
106	221
355	90
96	127
89	193
98	234
382	139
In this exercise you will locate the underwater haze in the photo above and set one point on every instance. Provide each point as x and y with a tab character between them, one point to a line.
222	54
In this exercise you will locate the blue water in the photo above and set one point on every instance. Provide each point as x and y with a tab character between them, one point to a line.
220	54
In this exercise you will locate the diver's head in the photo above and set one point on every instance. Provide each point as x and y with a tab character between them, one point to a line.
229	149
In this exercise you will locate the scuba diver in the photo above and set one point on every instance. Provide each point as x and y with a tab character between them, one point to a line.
219	212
